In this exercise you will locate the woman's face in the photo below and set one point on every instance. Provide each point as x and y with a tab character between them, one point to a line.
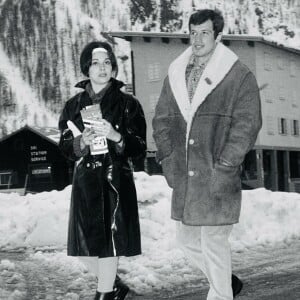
100	70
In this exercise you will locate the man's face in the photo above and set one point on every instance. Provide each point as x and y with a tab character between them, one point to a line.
202	38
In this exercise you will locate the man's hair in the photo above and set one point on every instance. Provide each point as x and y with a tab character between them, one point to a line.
86	56
202	15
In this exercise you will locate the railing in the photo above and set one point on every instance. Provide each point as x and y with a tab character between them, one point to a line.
21	191
9	180
25	184
294	185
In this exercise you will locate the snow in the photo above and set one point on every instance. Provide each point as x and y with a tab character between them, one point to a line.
29	98
40	221
78	22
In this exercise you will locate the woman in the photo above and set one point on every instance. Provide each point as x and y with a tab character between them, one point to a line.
103	222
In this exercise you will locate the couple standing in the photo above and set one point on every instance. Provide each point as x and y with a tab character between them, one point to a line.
206	120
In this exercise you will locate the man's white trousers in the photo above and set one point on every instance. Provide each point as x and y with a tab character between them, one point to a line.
208	248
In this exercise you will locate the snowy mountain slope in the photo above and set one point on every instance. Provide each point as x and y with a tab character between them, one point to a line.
40	43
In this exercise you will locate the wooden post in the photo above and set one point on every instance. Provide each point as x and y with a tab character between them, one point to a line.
287	170
260	168
274	172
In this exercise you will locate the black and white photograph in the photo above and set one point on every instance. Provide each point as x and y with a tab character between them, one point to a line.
149	149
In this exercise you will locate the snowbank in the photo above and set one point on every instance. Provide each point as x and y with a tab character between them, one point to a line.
40	221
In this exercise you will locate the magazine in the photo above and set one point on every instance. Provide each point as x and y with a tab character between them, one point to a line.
92	116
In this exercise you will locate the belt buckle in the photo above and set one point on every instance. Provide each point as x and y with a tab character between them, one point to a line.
97	164
93	165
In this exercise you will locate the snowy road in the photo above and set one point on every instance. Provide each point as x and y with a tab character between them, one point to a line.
23	278
268	273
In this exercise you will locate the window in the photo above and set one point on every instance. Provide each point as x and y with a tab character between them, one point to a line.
281	93
40	173
153	99
267	61
295	127
282	126
5	178
295	164
270	125
294	99
268	96
294	18
154	72
292	68
280	62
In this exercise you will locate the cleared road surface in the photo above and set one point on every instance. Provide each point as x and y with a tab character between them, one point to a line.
271	273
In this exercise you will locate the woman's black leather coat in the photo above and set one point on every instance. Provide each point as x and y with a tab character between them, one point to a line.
103	217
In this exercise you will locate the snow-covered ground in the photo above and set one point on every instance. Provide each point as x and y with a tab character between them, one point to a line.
40	221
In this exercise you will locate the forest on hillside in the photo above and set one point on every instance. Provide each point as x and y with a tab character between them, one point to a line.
41	40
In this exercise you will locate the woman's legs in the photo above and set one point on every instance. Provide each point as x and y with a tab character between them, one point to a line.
107	271
91	263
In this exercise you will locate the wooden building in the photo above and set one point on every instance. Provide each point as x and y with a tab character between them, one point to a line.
30	161
275	160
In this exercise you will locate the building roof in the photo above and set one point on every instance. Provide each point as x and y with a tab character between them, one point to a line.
51	134
128	35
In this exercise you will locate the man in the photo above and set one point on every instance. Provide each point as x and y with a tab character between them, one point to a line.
206	120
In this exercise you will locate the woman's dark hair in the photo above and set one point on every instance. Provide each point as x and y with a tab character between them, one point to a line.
86	56
202	15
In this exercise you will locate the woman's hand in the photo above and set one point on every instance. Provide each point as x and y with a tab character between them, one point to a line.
87	137
104	128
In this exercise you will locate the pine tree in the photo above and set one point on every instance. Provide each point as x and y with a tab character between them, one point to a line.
14	125
24	114
141	10
35	119
194	7
3	129
170	18
45	120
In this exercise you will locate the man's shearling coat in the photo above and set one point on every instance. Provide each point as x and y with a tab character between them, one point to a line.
221	123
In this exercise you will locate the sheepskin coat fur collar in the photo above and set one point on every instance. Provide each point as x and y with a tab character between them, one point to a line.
218	66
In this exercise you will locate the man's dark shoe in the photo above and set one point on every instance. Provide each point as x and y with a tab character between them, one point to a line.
236	284
120	289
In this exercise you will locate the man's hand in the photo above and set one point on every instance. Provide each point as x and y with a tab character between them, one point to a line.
225	163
